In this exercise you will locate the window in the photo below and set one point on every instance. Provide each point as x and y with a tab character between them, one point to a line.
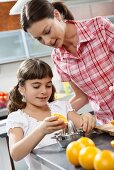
11	46
17	45
35	48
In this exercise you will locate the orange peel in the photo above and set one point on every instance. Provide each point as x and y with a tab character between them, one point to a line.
112	122
61	117
112	143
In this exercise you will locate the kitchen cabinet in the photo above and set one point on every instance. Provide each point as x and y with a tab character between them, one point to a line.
5	161
3	113
17	45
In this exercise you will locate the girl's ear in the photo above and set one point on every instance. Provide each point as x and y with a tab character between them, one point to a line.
21	89
57	15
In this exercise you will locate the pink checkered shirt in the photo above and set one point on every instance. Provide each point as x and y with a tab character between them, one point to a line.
93	69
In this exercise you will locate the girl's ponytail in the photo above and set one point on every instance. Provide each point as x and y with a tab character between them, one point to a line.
15	100
64	11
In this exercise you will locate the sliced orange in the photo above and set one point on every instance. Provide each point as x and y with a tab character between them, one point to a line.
112	143
60	117
112	122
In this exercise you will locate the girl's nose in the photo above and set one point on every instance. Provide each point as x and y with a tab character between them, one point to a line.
43	90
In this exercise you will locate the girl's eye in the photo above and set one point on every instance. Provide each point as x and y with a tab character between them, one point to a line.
36	87
49	86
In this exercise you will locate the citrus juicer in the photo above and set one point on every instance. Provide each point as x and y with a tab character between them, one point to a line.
65	136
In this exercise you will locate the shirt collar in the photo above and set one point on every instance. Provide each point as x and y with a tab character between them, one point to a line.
84	33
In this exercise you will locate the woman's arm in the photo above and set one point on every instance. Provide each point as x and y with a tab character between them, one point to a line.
21	146
86	120
80	99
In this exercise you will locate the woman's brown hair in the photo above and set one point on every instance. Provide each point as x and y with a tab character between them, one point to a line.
30	69
37	10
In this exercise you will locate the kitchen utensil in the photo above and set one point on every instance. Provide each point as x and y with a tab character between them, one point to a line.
107	128
68	135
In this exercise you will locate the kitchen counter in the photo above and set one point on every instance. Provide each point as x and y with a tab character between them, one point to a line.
3	128
54	157
3	113
5	159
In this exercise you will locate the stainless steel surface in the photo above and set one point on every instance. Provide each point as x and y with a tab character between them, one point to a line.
3	112
54	157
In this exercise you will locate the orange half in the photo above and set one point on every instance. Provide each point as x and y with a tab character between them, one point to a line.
112	143
60	117
112	122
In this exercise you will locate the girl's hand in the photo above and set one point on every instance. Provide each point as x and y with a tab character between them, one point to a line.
88	122
52	124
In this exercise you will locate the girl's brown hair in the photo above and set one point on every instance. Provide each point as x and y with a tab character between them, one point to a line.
36	10
30	69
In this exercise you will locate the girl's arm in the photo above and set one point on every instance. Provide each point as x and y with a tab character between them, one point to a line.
21	146
80	99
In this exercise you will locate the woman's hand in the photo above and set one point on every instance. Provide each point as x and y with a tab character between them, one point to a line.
88	122
111	88
52	124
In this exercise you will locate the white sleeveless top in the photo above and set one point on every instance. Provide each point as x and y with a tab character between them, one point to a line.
27	123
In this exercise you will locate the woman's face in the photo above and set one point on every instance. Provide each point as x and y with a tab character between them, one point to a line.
50	32
38	91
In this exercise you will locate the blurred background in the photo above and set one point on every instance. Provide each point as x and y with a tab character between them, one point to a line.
16	45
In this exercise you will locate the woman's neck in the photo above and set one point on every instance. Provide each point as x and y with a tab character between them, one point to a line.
71	39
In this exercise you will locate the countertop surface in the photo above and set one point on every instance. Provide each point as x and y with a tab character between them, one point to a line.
3	128
54	157
3	112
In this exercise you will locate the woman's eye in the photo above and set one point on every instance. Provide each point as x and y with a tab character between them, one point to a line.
47	32
39	39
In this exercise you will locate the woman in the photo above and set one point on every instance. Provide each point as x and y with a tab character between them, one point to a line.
83	52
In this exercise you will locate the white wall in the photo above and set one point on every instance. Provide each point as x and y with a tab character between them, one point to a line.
8	75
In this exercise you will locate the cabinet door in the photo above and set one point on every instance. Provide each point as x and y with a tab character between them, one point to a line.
35	48
12	46
5	161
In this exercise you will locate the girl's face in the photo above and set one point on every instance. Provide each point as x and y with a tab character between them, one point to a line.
38	91
50	32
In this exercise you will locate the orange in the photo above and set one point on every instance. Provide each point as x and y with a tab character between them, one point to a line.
60	117
86	157
112	143
86	141
104	160
112	122
72	152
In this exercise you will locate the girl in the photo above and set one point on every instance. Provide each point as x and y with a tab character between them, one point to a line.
31	103
83	52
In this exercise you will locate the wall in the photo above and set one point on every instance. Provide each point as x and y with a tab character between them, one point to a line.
93	9
80	11
8	22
